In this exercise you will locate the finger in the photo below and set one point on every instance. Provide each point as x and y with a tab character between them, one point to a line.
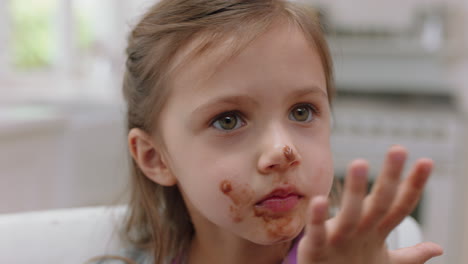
408	196
419	253
354	193
315	238
383	192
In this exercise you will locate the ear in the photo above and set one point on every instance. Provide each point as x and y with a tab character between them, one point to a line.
149	158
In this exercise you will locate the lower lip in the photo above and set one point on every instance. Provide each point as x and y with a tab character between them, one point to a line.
280	204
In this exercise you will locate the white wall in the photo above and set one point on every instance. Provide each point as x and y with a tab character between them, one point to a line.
30	161
61	156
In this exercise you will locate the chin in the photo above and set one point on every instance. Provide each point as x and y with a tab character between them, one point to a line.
270	237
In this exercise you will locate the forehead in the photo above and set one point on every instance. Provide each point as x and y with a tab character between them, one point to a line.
283	45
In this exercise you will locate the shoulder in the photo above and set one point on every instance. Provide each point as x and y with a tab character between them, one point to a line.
127	256
110	259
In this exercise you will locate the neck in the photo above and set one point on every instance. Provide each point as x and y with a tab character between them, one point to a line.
233	251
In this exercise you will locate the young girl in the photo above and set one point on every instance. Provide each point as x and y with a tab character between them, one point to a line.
229	120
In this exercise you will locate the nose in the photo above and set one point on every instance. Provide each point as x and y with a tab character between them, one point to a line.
278	157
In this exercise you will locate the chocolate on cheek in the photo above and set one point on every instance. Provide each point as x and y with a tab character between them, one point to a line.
241	198
226	187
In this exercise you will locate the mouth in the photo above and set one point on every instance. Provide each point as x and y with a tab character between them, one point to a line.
280	200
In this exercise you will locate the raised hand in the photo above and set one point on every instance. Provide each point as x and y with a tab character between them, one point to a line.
356	235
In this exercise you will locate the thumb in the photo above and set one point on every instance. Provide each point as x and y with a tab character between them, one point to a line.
417	254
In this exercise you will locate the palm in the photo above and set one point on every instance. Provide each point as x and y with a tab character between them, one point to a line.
356	235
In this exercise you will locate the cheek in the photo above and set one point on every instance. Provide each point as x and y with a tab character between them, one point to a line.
318	171
324	177
241	197
218	187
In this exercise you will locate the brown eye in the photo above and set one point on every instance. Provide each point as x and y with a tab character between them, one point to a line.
228	122
301	113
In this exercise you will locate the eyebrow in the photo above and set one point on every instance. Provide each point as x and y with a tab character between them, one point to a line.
234	100
309	90
248	100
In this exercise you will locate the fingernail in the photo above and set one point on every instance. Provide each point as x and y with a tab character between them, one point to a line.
360	171
421	181
426	168
398	156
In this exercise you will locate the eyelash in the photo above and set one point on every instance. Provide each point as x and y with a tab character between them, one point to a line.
236	113
314	110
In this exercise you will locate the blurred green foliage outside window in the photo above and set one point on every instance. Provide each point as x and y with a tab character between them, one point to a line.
33	35
35	32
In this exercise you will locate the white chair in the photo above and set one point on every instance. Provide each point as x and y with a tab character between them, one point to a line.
73	236
68	236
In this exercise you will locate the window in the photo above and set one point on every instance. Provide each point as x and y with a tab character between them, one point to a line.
33	35
51	48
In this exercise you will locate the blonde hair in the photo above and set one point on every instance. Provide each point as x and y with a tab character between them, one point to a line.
157	219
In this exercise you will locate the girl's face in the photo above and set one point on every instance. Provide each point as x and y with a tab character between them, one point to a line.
260	124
